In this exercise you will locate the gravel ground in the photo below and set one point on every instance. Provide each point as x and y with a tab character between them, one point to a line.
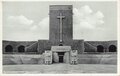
59	69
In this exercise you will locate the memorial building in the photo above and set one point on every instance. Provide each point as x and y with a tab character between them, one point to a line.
61	47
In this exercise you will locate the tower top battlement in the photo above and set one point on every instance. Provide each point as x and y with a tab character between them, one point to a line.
60	7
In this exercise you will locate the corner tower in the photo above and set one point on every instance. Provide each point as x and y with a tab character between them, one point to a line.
61	24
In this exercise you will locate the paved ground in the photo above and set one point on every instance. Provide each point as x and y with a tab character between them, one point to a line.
60	68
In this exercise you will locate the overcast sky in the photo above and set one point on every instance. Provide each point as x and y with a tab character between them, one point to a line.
28	21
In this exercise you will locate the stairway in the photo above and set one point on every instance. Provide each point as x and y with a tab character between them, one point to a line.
89	47
32	48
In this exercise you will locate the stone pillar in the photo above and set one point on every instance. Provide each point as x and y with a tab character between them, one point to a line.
66	57
55	57
107	49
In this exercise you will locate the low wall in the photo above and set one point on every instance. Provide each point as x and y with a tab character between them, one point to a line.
97	59
9	59
22	59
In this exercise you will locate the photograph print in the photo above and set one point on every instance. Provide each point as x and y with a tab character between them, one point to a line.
59	37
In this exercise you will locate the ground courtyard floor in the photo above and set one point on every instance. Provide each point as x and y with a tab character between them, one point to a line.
59	68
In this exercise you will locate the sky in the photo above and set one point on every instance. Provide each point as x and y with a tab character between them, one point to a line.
29	21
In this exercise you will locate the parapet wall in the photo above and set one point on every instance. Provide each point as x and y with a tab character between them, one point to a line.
97	59
10	59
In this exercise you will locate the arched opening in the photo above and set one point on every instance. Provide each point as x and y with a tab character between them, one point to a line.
100	48
21	48
8	48
112	48
60	44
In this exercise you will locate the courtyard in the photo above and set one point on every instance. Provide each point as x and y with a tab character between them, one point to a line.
60	68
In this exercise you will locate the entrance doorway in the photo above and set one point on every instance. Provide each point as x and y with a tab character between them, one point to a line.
112	48
100	48
61	57
21	48
8	48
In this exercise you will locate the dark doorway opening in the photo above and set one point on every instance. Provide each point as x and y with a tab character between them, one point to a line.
61	53
61	59
8	48
21	48
61	56
100	48
112	48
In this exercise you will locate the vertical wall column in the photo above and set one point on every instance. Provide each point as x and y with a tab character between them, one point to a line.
66	57
55	57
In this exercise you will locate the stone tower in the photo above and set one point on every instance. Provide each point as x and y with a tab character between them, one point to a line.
60	31
61	27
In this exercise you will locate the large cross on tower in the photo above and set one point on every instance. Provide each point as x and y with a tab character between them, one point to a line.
61	28
61	17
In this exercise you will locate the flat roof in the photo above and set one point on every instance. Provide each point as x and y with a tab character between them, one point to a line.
60	7
61	48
